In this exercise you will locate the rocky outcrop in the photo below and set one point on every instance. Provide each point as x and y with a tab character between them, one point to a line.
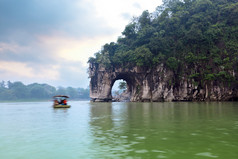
123	97
157	84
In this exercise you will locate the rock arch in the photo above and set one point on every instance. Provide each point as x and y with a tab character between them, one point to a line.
139	80
155	84
126	77
102	81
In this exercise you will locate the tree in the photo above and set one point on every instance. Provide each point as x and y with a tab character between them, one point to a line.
2	84
19	91
122	86
143	56
144	19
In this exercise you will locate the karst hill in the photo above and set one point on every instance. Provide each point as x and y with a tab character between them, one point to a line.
187	50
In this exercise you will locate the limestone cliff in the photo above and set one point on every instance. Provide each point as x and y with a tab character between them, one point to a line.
157	84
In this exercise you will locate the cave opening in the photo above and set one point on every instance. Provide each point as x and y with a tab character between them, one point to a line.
121	88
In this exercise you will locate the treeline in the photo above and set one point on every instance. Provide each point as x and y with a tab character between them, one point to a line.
196	37
14	91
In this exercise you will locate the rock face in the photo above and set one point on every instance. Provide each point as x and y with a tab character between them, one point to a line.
156	84
123	97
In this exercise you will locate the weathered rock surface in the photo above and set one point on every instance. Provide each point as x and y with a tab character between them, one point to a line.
123	97
156	84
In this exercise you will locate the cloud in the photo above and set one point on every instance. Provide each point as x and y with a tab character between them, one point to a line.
73	49
20	69
65	73
73	74
39	31
74	17
51	40
57	59
31	53
137	5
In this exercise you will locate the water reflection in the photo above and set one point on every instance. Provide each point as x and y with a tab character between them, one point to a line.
119	130
60	110
163	130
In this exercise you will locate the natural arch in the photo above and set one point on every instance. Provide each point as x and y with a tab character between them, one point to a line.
121	94
102	81
140	83
127	78
154	84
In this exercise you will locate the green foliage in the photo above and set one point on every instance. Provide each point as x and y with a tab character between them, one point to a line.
142	56
122	86
172	63
144	19
209	77
190	58
158	59
225	76
130	31
199	34
195	75
91	60
19	91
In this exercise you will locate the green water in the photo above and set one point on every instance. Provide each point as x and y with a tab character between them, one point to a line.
35	130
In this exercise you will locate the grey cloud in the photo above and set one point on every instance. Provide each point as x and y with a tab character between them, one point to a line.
33	54
71	77
23	21
44	16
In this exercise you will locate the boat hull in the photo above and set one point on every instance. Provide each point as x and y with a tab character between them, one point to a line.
61	106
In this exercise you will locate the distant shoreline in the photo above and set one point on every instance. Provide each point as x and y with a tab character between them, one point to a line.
37	100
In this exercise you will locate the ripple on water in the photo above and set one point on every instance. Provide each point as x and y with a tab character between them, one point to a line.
159	151
134	143
140	138
164	138
194	134
124	137
161	156
206	154
142	151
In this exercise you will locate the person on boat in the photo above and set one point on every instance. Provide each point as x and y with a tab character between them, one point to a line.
60	101
64	102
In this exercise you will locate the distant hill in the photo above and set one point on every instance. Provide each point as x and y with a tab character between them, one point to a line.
14	91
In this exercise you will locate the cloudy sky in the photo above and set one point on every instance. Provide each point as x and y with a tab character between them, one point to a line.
50	41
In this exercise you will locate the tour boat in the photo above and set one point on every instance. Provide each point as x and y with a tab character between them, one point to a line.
60	101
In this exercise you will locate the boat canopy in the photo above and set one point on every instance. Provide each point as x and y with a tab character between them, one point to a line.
60	96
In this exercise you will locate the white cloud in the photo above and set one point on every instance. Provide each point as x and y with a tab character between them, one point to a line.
50	42
18	69
73	49
112	11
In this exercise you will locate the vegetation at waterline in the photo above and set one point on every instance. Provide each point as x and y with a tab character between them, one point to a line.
17	91
196	37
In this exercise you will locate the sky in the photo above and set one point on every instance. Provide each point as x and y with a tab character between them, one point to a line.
50	41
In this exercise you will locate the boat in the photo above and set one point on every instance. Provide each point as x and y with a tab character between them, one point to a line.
60	101
61	106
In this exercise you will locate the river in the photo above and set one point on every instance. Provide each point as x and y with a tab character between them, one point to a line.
179	130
